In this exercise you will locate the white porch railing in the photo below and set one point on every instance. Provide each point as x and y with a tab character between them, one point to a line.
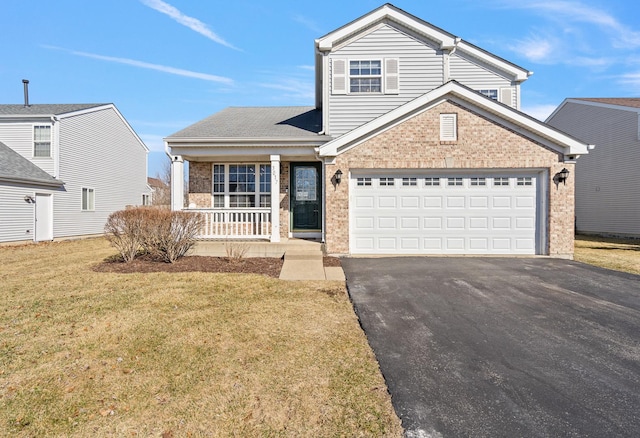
232	223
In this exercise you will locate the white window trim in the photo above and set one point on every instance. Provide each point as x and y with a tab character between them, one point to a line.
89	207
33	140
227	194
341	76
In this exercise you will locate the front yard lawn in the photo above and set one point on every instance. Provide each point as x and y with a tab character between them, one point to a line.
85	353
617	254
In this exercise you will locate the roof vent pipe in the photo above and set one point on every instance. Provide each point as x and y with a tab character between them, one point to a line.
26	91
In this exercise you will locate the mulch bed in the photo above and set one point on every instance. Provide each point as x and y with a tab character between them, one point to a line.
268	266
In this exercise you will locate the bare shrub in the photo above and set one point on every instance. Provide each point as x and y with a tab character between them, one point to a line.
162	233
124	230
236	250
169	235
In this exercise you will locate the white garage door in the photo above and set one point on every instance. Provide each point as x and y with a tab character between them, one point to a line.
492	213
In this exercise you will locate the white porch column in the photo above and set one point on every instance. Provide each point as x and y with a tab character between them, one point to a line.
275	198
177	182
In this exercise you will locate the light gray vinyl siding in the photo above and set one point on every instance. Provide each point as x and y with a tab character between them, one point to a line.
98	151
607	179
16	215
470	72
19	137
420	70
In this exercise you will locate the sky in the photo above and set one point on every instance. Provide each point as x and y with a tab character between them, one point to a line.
168	64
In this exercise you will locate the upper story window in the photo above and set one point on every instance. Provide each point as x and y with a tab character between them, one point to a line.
491	93
365	76
373	76
42	141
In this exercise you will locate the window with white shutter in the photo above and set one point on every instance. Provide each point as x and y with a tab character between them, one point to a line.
339	76
448	127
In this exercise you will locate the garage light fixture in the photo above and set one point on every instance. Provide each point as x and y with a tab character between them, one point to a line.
562	176
338	176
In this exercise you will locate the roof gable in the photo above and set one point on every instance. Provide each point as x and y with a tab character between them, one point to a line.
442	39
467	98
16	168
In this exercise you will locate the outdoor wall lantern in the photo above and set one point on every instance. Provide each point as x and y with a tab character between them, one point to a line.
562	176
29	199
338	176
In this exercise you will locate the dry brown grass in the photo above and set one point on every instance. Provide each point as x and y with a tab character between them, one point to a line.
618	254
85	353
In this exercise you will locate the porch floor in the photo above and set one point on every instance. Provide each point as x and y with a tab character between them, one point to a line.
302	258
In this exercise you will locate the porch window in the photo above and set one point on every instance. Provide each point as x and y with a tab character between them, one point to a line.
238	186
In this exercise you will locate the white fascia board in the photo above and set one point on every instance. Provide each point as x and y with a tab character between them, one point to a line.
519	74
532	127
221	142
233	153
445	39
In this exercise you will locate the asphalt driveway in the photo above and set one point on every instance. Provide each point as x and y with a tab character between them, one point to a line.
503	347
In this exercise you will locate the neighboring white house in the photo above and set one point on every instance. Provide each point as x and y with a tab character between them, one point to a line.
608	179
415	145
65	168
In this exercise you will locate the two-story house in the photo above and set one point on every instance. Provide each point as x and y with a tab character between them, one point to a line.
415	145
607	180
64	168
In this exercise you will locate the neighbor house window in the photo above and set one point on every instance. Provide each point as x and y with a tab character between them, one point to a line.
491	94
146	200
42	141
365	76
88	199
238	185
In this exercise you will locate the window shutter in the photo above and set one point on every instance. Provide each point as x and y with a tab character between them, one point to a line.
506	96
391	76
339	76
448	127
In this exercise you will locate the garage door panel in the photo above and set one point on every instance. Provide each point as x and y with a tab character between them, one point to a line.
474	216
387	202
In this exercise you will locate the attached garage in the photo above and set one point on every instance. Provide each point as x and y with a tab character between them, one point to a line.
489	212
490	181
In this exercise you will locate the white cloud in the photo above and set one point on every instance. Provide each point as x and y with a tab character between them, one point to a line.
308	23
307	67
147	65
536	48
630	79
190	22
540	112
575	11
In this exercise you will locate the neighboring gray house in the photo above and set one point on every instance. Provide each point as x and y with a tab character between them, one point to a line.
415	145
608	179
65	168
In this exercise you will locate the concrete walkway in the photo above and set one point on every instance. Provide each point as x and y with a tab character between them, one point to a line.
302	258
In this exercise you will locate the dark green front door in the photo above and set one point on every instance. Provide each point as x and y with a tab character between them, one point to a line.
306	196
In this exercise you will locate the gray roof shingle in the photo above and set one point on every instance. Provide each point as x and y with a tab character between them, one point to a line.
45	109
14	166
257	122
